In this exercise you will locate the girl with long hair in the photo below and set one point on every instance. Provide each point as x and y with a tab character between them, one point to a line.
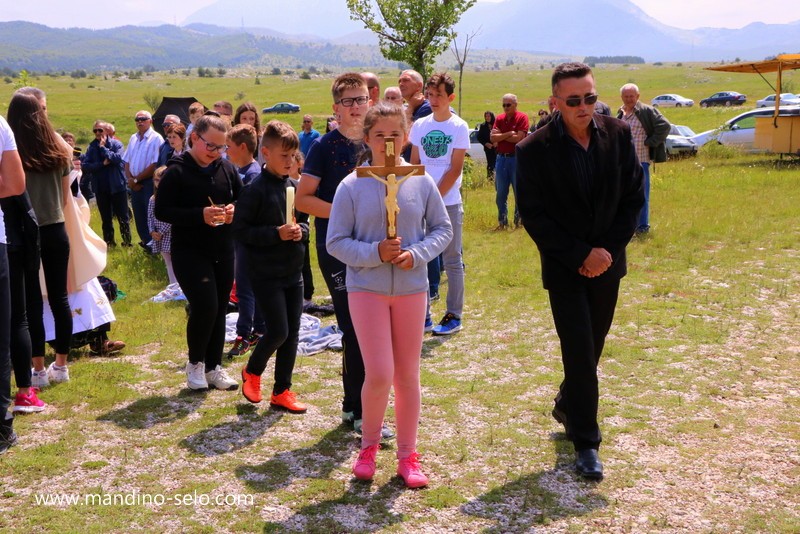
47	161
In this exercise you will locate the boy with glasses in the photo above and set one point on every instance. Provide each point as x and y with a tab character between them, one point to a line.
330	159
510	128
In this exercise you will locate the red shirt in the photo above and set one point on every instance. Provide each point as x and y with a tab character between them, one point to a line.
518	122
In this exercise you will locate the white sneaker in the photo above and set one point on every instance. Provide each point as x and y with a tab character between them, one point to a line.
57	374
219	379
39	378
196	375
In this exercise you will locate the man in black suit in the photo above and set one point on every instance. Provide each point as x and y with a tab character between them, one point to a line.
580	193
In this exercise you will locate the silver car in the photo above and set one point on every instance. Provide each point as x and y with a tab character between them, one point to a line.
787	99
679	141
740	131
671	100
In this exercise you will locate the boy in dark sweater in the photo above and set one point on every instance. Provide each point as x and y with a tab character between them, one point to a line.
274	246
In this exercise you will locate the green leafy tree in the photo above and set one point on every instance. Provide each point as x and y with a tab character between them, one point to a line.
413	31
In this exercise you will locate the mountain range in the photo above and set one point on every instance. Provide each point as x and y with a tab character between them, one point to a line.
276	33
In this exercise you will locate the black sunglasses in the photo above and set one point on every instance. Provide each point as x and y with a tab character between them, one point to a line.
507	105
575	101
98	130
141	119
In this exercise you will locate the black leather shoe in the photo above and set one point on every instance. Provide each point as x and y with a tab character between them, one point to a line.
561	417
588	464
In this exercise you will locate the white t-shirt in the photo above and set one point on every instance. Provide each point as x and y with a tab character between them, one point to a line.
436	142
7	143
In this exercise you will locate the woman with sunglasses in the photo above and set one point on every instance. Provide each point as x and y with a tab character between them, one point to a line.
196	196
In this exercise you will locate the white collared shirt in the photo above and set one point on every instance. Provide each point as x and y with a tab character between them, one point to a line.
143	152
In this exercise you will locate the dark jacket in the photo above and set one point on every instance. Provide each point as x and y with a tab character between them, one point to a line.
564	220
111	177
260	211
22	230
184	191
656	126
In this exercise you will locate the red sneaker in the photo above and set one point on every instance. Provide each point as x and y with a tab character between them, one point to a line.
29	403
411	471
251	386
288	401
364	468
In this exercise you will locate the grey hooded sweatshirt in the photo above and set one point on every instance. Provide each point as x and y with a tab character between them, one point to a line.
358	223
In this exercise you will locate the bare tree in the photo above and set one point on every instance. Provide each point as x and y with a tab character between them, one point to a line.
461	58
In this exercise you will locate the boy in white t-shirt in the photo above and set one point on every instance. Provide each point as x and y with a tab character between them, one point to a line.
440	142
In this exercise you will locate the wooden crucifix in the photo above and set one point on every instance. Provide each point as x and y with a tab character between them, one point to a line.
390	170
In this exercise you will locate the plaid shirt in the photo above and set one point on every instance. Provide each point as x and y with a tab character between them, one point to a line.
639	135
165	243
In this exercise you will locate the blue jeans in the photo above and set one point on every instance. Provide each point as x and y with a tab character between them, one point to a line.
644	215
434	275
139	201
505	175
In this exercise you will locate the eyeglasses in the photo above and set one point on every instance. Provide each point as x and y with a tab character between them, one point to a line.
305	122
211	147
98	130
575	101
507	104
141	119
349	102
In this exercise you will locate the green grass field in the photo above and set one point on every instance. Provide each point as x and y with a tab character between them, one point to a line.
699	397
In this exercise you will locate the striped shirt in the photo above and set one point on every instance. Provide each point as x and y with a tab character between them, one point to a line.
143	151
639	135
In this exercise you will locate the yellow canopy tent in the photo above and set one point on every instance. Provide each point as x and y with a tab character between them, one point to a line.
781	138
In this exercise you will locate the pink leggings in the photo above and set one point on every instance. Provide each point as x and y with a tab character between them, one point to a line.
390	331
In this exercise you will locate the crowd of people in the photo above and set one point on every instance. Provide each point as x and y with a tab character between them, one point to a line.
226	202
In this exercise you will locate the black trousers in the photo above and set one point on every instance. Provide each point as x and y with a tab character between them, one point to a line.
335	274
583	318
207	284
55	259
20	335
114	205
308	277
282	303
5	322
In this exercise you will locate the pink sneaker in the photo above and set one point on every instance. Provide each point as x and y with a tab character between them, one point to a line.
364	468
29	403
410	470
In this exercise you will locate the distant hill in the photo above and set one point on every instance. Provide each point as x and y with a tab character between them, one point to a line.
34	47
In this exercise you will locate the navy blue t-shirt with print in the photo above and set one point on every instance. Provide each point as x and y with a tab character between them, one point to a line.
330	158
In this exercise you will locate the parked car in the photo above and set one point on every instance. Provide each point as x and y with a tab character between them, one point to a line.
671	100
787	99
282	107
724	98
740	131
475	150
679	142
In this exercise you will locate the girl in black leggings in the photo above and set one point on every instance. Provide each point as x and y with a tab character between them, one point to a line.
196	196
47	161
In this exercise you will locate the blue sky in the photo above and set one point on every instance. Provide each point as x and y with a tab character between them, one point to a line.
686	14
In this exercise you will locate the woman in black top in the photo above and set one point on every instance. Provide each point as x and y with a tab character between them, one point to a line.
196	196
484	133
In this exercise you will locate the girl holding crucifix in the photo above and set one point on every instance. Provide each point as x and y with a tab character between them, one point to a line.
387	284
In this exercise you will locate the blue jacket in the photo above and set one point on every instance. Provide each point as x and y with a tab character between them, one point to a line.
111	177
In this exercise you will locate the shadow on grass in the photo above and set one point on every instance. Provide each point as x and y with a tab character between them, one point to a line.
232	436
539	498
429	345
150	411
316	461
358	510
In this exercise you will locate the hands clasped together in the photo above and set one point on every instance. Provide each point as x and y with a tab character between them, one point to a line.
390	252
596	263
290	232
